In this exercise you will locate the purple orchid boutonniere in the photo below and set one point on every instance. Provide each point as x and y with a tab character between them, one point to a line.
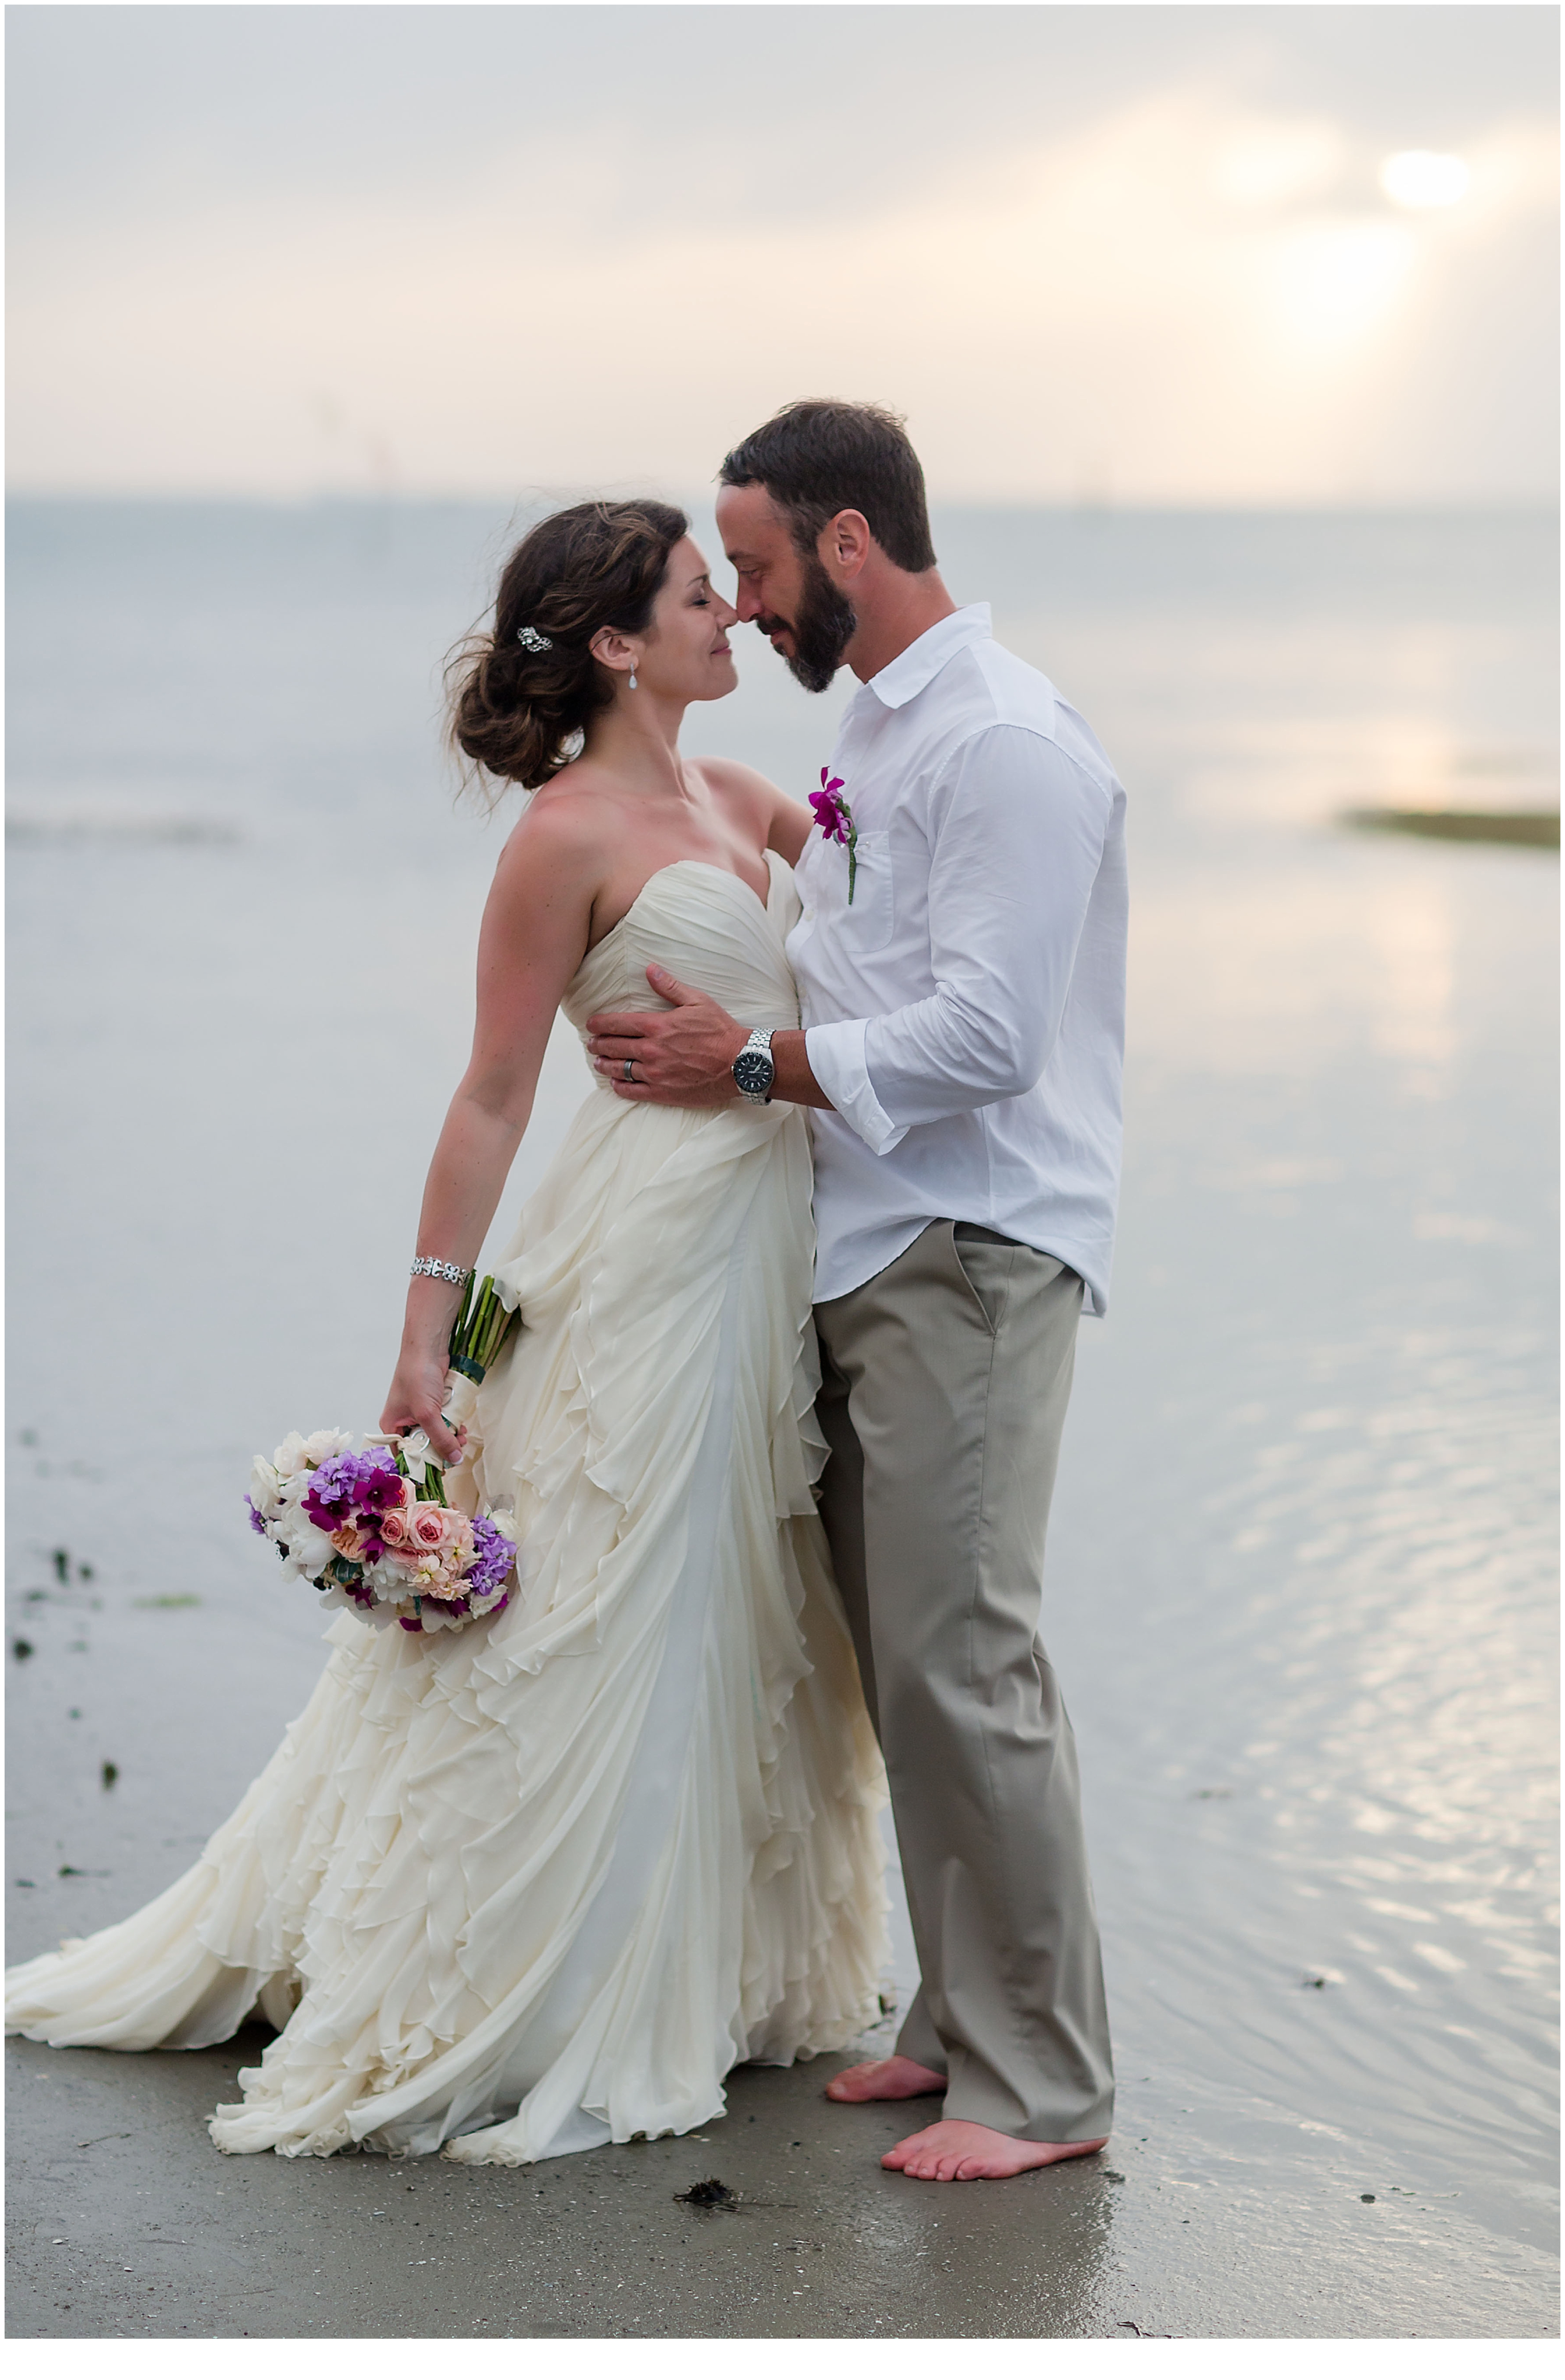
835	820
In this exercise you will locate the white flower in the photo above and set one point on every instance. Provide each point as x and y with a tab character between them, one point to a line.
392	1580
308	1548
265	1489
290	1493
296	1453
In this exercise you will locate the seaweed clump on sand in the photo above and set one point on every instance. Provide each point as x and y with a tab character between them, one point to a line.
711	2195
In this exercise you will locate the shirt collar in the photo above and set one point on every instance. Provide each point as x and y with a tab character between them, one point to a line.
925	657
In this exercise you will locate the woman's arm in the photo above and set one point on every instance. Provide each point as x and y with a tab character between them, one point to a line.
791	823
781	824
534	936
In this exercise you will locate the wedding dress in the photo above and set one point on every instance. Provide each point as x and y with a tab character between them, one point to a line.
538	1884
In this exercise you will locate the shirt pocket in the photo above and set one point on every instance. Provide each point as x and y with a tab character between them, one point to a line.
862	924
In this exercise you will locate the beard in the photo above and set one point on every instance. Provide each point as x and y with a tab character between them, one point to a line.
822	627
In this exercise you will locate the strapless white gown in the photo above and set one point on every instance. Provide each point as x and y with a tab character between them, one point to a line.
538	1885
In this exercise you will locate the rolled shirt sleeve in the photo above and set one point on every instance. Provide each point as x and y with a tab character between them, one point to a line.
1018	834
837	1062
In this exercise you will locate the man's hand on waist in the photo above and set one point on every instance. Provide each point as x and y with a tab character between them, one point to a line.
684	1057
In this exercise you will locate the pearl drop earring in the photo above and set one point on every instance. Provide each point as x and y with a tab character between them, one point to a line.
633	677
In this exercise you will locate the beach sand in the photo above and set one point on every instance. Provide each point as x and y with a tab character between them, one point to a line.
147	2234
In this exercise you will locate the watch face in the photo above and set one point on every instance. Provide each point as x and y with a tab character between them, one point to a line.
753	1070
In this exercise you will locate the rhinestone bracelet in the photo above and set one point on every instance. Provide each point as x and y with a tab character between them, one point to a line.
437	1270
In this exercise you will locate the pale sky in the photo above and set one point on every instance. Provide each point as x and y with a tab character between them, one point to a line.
1133	254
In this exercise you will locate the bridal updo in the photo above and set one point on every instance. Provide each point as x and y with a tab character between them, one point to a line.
518	705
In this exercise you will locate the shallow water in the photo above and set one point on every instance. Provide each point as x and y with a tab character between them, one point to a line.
1298	1584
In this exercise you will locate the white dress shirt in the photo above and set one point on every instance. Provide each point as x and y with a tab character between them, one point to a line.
965	1014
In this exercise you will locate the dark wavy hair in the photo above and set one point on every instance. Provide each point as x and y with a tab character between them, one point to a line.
515	712
821	456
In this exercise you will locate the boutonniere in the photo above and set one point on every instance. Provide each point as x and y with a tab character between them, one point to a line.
835	819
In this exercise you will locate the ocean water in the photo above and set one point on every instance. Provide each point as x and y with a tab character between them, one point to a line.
1299	1587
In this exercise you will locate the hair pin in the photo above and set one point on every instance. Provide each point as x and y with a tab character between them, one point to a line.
534	641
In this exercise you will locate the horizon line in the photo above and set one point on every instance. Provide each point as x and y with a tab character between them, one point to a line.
571	491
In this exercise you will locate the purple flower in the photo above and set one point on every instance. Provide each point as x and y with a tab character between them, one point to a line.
493	1560
257	1523
346	1484
835	820
379	1482
832	817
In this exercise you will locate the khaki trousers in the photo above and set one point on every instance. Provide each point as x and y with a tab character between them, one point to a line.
944	1385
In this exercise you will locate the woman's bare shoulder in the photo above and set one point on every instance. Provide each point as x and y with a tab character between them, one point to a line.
565	833
739	782
782	823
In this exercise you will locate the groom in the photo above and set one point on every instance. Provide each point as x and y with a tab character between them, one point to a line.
961	972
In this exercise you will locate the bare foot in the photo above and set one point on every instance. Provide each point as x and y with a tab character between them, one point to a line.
885	2078
957	2151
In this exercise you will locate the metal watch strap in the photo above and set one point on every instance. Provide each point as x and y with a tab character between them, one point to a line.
761	1043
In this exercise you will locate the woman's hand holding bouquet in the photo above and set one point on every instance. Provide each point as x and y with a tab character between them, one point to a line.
372	1528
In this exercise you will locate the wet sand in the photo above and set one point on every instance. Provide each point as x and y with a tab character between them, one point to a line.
139	2234
1299	1585
1209	2215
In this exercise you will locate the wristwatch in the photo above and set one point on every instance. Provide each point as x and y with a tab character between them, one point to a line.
753	1069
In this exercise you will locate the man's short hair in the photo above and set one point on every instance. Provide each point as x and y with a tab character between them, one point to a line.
821	456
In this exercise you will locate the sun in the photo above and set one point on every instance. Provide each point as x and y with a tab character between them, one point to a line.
1420	178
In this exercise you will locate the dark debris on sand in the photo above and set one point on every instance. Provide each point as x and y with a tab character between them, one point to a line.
711	2196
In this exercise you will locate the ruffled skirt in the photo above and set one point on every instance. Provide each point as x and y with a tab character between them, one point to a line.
537	1884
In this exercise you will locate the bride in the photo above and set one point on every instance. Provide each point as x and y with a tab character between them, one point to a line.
537	1884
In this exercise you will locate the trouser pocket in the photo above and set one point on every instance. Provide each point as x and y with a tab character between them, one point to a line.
985	1259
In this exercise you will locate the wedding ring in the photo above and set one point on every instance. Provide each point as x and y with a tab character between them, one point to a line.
630	1070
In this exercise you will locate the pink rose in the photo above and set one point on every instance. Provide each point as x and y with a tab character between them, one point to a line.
432	1532
396	1531
434	1529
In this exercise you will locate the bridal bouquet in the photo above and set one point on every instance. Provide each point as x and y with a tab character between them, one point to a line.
371	1529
